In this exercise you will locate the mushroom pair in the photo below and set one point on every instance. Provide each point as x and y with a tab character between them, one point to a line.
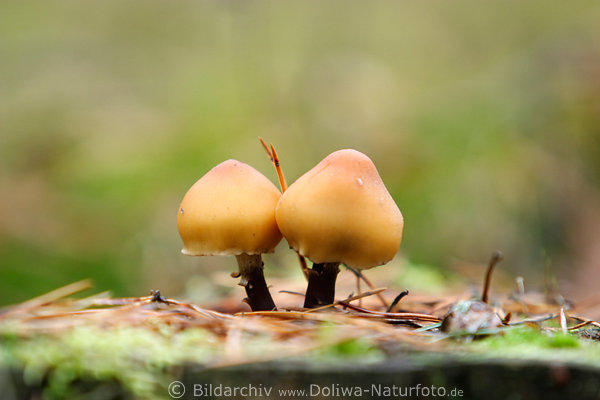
339	212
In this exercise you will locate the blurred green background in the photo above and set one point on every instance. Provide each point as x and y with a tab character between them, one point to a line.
482	118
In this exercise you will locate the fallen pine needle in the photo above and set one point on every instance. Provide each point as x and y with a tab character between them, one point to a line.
357	297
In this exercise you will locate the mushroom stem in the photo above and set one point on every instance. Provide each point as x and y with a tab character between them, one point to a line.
253	280
321	285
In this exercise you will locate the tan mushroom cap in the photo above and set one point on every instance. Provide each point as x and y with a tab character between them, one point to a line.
340	211
229	211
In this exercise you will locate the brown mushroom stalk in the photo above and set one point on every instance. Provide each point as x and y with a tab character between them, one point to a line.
253	280
321	284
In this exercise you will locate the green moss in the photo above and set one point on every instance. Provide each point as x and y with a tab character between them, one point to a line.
352	348
529	343
138	358
532	338
563	340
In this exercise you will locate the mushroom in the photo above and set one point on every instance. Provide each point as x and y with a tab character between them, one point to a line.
339	212
231	211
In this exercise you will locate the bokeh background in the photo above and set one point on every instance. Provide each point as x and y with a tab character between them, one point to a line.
482	118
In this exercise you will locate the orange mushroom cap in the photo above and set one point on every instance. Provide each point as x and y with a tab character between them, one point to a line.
340	211
229	211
